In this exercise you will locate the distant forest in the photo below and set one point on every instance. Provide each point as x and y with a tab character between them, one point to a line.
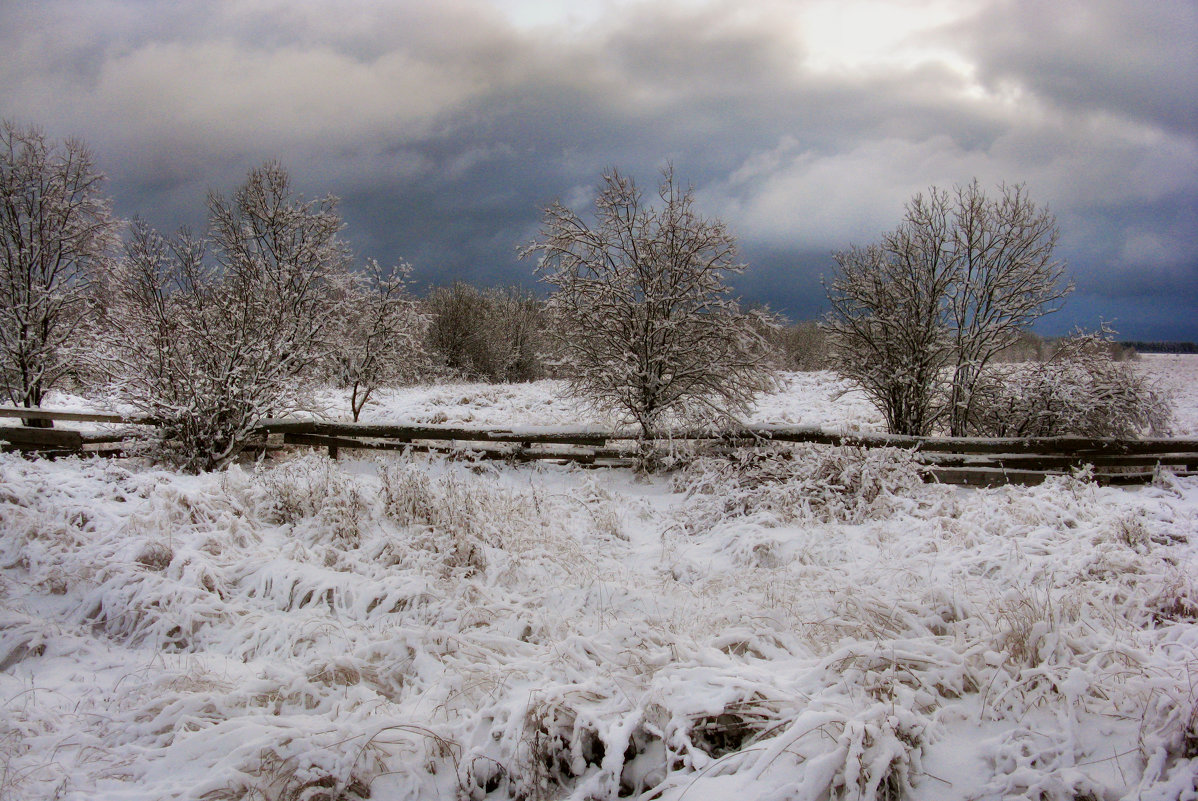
1161	347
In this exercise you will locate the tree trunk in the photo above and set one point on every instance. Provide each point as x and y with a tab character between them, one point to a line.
34	403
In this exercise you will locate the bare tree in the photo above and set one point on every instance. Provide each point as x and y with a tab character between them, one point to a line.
380	333
209	346
886	328
954	285
643	315
485	334
56	234
1006	279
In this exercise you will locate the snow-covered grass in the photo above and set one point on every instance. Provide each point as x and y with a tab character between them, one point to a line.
816	625
818	398
1177	376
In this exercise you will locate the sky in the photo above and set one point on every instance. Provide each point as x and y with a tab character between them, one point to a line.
446	127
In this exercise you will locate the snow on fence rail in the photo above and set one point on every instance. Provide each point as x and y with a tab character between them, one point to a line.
957	460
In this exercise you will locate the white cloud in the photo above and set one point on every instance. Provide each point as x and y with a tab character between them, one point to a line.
227	96
791	196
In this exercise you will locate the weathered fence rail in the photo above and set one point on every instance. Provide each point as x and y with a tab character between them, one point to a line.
73	415
957	460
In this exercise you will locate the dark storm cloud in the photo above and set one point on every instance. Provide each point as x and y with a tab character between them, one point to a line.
443	127
1124	57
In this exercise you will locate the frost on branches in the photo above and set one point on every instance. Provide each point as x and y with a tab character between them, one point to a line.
56	235
646	326
209	346
380	333
1081	391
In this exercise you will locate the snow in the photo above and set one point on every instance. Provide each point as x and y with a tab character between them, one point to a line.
427	627
1177	376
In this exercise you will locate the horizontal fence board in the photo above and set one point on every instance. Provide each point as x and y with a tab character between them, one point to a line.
987	476
997	477
973	445
481	451
1027	461
106	449
23	437
101	439
1128	479
433	432
73	415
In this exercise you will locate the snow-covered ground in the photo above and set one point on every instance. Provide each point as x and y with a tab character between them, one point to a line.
802	399
404	627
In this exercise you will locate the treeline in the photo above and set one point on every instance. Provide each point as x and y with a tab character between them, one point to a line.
1161	347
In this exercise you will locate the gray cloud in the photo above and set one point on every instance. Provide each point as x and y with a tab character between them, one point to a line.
443	127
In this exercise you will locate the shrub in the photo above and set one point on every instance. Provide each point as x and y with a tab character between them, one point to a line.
790	483
1082	390
803	346
485	335
209	346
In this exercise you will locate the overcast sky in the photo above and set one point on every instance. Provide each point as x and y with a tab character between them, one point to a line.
445	125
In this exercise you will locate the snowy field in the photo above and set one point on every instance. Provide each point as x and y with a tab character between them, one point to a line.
398	627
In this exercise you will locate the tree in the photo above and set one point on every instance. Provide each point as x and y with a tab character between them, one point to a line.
1006	279
380	333
954	285
886	329
485	334
209	346
643	315
57	234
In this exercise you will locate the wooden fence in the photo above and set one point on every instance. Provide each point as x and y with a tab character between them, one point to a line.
956	460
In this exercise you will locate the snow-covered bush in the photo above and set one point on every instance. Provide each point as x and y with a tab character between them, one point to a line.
1082	390
208	347
787	483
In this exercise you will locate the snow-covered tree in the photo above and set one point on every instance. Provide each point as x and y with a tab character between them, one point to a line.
887	330
211	345
953	286
644	318
1005	279
379	334
57	234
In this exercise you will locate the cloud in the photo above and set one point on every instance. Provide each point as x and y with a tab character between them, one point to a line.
444	127
1106	56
